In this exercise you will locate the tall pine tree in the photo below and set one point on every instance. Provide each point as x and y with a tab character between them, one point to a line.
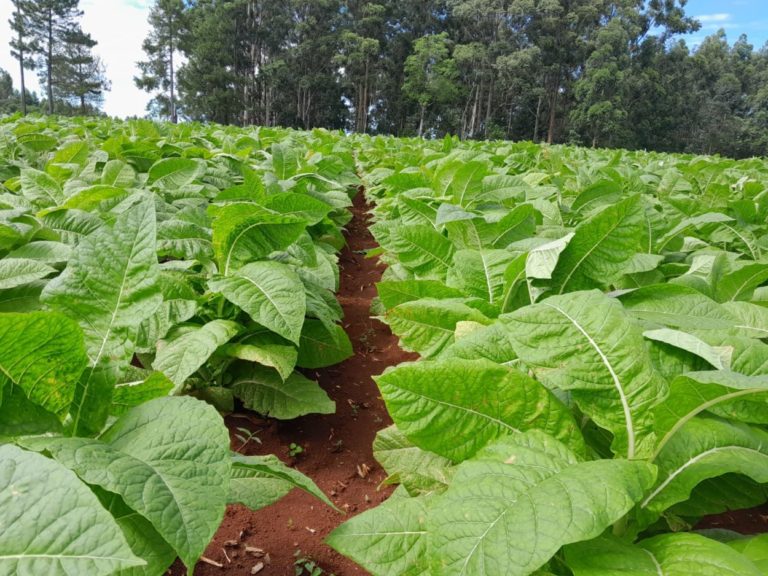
79	76
158	71
21	45
49	24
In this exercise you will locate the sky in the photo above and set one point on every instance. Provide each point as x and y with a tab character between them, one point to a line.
736	17
119	27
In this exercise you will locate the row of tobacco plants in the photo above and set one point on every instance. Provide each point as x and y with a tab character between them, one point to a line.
151	274
594	372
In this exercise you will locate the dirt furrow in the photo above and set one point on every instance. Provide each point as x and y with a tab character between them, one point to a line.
336	450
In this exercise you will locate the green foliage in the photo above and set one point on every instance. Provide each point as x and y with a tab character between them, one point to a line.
114	305
592	377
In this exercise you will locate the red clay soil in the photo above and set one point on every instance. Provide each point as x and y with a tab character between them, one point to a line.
336	449
750	521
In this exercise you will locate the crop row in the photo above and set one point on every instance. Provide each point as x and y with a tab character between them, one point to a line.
593	375
141	262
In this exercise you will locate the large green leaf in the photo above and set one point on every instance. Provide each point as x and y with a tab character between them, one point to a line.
19	271
321	346
40	188
117	173
480	273
245	232
585	343
302	205
422	249
266	351
270	293
258	481
600	247
181	357
705	448
752	320
727	393
677	307
109	287
490	342
144	540
514	505
41	354
129	394
390	539
263	390
664	555
419	471
53	523
542	260
427	326
173	173
47	252
454	407
393	293
741	283
168	459
717	356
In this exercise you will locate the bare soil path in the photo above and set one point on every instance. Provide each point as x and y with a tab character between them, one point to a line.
336	449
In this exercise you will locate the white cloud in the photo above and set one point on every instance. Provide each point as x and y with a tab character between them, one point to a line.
119	27
711	18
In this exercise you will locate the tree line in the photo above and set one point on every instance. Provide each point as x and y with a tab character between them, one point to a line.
46	36
613	73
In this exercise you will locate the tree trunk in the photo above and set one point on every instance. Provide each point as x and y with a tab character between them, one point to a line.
553	107
49	62
538	115
488	108
21	63
174	118
421	120
552	114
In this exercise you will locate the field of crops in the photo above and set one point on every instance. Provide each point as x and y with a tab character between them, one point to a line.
592	376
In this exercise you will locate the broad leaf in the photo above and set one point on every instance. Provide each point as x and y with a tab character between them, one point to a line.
53	523
258	481
109	287
677	307
480	273
261	350
427	326
19	271
264	391
586	344
270	293
166	459
529	497
667	555
454	407
419	471
422	249
600	247
389	539
173	173
42	355
179	358
246	232
322	346
705	448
